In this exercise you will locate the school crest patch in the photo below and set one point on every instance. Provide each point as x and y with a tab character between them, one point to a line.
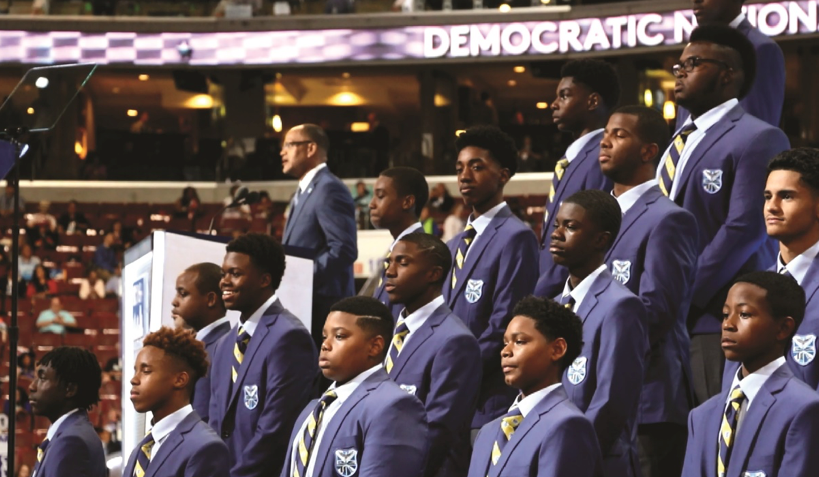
474	290
712	180
803	349
621	270
409	388
756	473
346	462
251	397
577	370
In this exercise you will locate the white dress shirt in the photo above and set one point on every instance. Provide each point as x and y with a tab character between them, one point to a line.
481	223
574	149
416	319
751	385
252	322
204	332
163	428
55	427
412	228
529	402
627	199
799	266
579	292
736	21
304	182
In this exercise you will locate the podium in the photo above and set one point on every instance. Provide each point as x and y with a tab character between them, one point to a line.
149	287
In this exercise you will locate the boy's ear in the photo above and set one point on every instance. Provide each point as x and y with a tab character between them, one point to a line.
603	241
377	345
558	350
213	299
435	274
181	380
408	203
787	326
70	390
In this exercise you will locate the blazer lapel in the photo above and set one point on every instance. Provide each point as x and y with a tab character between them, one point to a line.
634	213
175	438
574	166
590	300
69	421
419	336
476	250
268	319
811	281
305	197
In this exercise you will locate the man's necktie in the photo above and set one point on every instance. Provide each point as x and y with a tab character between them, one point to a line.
783	270
560	168
307	438
401	332
464	241
508	424
144	456
242	339
567	301
41	450
728	429
669	165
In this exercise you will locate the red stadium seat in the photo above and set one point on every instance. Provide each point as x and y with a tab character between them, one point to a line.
110	305
45	342
83	341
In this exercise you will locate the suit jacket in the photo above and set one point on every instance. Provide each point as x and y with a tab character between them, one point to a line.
500	269
582	174
554	440
201	393
441	366
324	221
655	256
605	380
777	436
767	94
721	185
380	430
255	414
75	450
802	355
190	450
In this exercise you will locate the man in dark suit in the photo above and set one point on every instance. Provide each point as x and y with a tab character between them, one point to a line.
654	256
321	219
198	303
587	93
433	355
715	169
67	384
179	443
766	96
264	368
495	258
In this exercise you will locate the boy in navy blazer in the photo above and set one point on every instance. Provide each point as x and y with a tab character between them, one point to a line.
198	303
766	424
433	355
66	385
179	443
792	218
399	195
587	93
606	379
715	171
321	218
654	256
364	424
264	369
543	434
494	258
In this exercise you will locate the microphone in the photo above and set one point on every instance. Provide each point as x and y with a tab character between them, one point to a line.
243	196
241	193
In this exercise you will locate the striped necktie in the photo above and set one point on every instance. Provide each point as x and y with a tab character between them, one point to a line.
401	332
669	166
728	429
41	450
464	241
307	438
144	456
509	423
242	339
560	168
567	301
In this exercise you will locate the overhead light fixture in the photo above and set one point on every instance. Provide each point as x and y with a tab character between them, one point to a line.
542	105
669	110
361	126
200	101
520	69
546	2
132	113
648	98
512	83
346	99
144	77
345	75
30	110
504	8
276	122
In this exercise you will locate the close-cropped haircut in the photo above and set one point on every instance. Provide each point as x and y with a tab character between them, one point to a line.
732	39
802	160
372	316
554	321
316	134
208	276
409	181
264	252
597	75
435	248
651	127
602	208
783	295
499	144
80	367
181	345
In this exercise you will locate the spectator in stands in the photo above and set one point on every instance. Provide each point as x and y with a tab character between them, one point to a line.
187	206
40	285
428	222
55	319
21	291
4	334
42	216
27	262
40	7
23	471
113	287
240	212
219	11
362	199
105	258
440	199
22	406
123	236
7	202
455	222
333	7
26	364
43	237
141	124
72	221
529	160
92	287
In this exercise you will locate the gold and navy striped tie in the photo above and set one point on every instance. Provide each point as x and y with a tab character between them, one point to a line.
669	166
728	429
41	450
242	339
144	456
307	438
401	332
509	423
560	168
465	239
384	271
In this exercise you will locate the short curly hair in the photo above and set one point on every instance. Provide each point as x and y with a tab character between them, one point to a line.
500	145
599	76
264	252
183	346
554	321
76	365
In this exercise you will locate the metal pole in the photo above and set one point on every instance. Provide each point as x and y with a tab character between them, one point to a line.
13	329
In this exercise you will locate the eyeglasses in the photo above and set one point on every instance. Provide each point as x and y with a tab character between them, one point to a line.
292	144
693	62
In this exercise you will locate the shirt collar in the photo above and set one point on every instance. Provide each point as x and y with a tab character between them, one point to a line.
630	197
416	319
56	426
574	149
164	427
250	325
305	181
345	390
736	21
713	115
203	333
579	292
799	266
752	383
482	222
529	402
412	228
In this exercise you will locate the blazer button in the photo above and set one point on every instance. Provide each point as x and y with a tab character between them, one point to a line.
225	435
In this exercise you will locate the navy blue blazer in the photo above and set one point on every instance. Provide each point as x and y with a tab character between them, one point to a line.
582	174
379	431
767	94
655	256
441	366
201	393
554	440
777	436
255	414
74	450
324	221
190	450
500	269
721	185
605	380
802	355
